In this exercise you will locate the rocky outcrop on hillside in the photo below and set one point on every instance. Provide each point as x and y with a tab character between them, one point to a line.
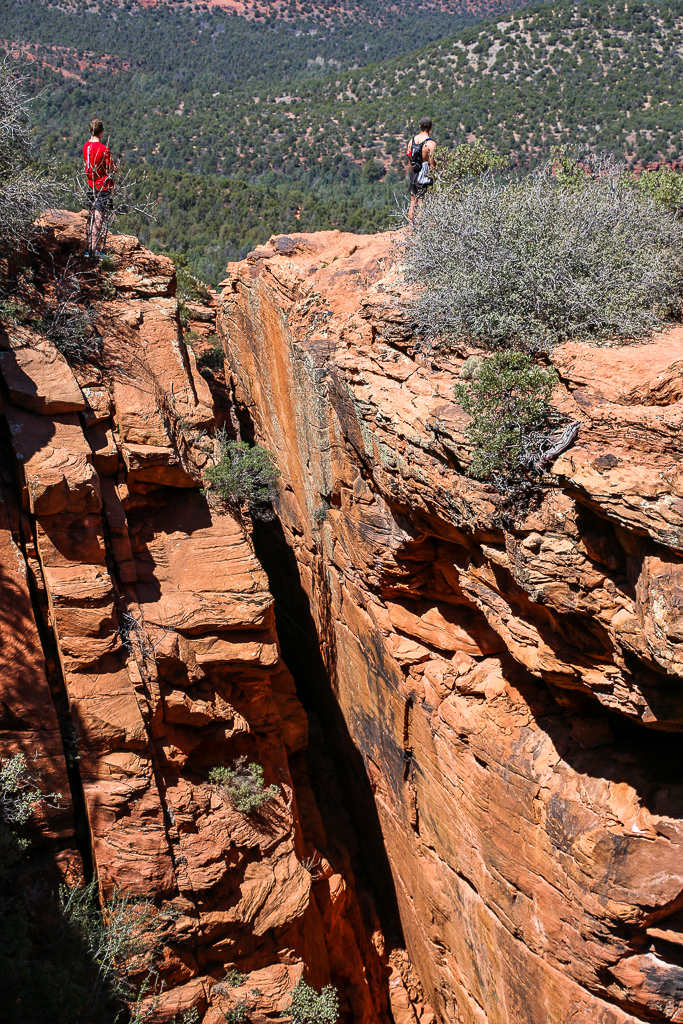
512	683
165	658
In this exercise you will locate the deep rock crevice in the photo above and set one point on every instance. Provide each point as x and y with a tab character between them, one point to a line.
164	632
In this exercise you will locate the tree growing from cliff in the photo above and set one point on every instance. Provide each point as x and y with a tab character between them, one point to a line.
526	264
507	397
243	473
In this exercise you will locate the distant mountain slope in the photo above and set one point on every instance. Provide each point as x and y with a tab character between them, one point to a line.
604	73
216	46
241	143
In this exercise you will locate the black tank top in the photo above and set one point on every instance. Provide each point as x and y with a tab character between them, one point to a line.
416	153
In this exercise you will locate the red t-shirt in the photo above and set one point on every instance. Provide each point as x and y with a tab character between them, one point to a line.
98	162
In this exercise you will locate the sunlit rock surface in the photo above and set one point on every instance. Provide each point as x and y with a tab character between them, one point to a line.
512	684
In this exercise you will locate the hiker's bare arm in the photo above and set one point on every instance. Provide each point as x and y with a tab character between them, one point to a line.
429	149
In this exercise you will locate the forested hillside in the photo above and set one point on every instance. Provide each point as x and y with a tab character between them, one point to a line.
261	124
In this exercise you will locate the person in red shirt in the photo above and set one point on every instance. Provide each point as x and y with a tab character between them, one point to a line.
99	169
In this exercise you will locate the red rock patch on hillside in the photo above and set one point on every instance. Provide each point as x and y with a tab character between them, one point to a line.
513	691
165	632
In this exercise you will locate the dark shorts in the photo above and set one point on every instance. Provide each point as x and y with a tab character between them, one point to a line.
99	200
417	190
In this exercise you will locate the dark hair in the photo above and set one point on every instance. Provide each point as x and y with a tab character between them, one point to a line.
96	126
426	124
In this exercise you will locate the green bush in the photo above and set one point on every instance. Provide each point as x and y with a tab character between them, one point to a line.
19	791
243	473
214	356
575	165
664	186
235	978
243	784
188	287
528	264
470	160
238	1014
508	398
571	172
310	1008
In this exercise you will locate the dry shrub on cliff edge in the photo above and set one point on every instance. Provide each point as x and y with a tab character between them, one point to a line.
531	263
25	192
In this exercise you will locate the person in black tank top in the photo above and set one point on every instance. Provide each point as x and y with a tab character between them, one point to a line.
422	164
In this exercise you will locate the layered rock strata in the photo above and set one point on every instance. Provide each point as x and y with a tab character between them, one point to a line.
513	684
166	640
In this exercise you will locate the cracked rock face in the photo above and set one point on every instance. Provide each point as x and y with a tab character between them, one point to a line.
514	688
168	661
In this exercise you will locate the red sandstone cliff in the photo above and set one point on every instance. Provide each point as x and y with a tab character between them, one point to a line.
514	690
502	700
167	658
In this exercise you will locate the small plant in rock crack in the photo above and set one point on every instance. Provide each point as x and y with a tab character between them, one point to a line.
309	1007
70	741
243	784
134	637
242	473
508	398
240	1013
320	513
213	357
183	315
19	791
235	978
